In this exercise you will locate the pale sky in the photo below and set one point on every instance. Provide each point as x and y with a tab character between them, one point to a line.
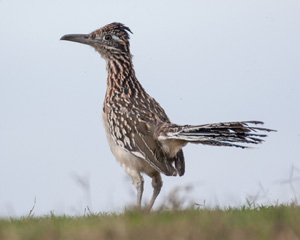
204	61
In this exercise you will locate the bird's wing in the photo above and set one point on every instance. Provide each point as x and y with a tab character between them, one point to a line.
133	130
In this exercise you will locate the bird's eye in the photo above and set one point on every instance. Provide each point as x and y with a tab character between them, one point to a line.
107	37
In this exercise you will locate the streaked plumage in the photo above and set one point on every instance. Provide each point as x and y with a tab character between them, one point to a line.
139	132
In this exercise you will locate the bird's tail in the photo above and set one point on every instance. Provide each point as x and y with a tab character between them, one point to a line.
231	134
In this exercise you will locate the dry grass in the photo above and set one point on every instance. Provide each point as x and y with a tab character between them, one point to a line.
276	222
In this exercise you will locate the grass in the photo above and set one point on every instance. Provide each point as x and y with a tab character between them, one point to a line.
274	222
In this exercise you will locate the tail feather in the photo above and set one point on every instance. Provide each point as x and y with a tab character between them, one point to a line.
218	134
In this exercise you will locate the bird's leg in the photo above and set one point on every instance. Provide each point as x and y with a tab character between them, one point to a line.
140	189
156	184
139	184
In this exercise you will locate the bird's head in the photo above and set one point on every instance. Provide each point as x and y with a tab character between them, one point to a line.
110	40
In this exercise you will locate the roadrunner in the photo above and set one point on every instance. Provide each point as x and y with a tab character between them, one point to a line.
139	132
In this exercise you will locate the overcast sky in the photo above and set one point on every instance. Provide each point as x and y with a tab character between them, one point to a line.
204	61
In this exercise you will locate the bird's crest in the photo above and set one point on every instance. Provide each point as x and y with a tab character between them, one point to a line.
115	28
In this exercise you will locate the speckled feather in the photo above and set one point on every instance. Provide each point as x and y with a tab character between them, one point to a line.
133	116
139	132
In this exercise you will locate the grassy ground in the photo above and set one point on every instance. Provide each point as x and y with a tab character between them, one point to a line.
277	222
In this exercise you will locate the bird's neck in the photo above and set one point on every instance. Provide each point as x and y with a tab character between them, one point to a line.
121	77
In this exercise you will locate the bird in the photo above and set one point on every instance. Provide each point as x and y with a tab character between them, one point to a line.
140	134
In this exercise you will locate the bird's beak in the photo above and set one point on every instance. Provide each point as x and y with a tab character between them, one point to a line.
80	38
